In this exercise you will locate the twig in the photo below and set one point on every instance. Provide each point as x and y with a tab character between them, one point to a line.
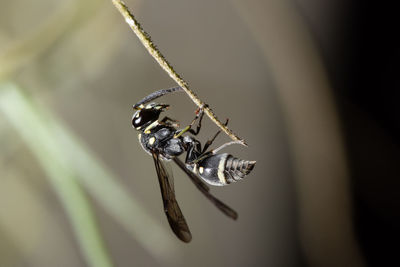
152	49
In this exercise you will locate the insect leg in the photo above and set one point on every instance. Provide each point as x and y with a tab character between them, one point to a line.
197	154
214	151
193	151
199	116
168	121
209	142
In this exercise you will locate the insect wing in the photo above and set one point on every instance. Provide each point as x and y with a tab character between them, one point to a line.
171	207
205	190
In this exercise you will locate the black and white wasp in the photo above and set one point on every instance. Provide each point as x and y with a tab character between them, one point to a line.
164	142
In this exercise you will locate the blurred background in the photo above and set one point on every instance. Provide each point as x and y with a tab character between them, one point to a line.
310	85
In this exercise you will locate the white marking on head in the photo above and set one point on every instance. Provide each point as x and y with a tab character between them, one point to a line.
141	106
221	169
152	140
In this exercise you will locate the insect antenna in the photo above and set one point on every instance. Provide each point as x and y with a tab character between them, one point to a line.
157	94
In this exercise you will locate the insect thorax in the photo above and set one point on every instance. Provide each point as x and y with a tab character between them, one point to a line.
160	138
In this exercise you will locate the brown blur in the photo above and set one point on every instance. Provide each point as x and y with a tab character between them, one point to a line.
254	62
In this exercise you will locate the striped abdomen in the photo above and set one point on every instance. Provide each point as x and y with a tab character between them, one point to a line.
236	169
223	169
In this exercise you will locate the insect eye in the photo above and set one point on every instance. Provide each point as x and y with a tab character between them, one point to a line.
144	116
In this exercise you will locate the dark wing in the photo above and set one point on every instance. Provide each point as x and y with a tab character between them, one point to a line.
171	207
205	190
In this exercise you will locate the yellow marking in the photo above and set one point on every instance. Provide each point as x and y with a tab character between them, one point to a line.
152	140
151	126
195	168
221	169
149	106
201	170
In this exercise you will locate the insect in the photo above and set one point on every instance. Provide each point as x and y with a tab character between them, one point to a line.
165	142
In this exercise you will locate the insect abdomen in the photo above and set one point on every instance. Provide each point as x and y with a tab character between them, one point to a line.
236	169
223	169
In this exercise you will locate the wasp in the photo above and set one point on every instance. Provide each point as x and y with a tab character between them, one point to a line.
165	142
